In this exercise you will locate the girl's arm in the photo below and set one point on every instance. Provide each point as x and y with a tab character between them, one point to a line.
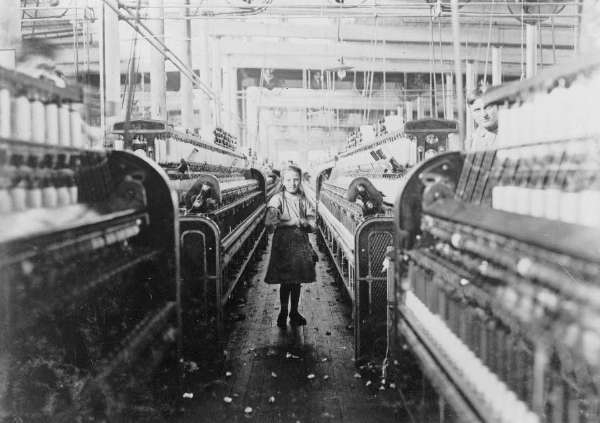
273	215
310	222
290	222
274	218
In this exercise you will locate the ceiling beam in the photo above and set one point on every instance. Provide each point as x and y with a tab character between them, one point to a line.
383	10
359	65
407	33
297	98
65	64
408	51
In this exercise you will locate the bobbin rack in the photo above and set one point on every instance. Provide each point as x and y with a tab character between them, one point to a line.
89	274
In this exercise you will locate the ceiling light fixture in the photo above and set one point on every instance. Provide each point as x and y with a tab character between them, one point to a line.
340	68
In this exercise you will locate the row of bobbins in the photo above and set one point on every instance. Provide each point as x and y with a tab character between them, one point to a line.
490	391
165	151
225	139
404	150
172	150
33	181
559	181
565	112
28	118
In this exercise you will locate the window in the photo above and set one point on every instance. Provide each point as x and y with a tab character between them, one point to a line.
173	81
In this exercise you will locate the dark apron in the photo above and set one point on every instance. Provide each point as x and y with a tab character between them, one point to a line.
292	257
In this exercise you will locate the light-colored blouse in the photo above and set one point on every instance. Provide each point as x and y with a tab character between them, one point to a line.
291	206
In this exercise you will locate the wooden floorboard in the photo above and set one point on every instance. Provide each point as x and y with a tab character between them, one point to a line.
266	362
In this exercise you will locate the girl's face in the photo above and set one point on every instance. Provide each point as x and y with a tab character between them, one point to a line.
291	181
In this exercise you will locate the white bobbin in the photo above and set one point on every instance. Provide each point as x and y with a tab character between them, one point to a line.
5	109
52	132
64	125
22	118
76	133
38	121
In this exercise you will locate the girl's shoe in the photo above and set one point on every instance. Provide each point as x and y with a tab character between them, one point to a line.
296	319
282	319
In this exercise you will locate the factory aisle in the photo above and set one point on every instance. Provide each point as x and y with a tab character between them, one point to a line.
304	374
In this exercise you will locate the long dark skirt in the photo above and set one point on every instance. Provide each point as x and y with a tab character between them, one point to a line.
292	257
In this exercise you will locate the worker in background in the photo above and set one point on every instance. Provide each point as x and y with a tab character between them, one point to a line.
486	118
36	58
182	167
364	201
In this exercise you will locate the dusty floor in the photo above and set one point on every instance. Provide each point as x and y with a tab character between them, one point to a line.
303	374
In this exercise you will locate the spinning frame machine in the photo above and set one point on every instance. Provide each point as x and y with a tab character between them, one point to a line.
219	233
497	259
112	213
73	343
169	148
354	207
222	207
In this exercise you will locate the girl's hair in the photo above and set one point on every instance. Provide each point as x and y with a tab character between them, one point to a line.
297	170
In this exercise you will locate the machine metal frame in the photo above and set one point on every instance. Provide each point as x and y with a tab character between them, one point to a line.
223	257
358	256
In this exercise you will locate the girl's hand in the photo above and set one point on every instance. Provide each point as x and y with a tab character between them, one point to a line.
289	222
272	219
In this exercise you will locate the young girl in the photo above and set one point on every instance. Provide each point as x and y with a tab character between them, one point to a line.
292	259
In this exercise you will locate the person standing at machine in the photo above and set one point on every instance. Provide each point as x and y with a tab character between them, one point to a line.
292	260
486	118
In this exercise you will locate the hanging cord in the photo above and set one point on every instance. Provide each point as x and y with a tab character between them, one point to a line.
372	72
384	80
132	79
432	65
76	41
487	50
553	41
540	44
373	59
87	43
130	94
467	50
478	58
522	43
442	67
337	45
364	93
132	48
368	76
260	102
371	93
137	67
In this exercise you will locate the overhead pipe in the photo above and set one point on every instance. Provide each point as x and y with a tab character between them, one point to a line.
161	47
186	94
